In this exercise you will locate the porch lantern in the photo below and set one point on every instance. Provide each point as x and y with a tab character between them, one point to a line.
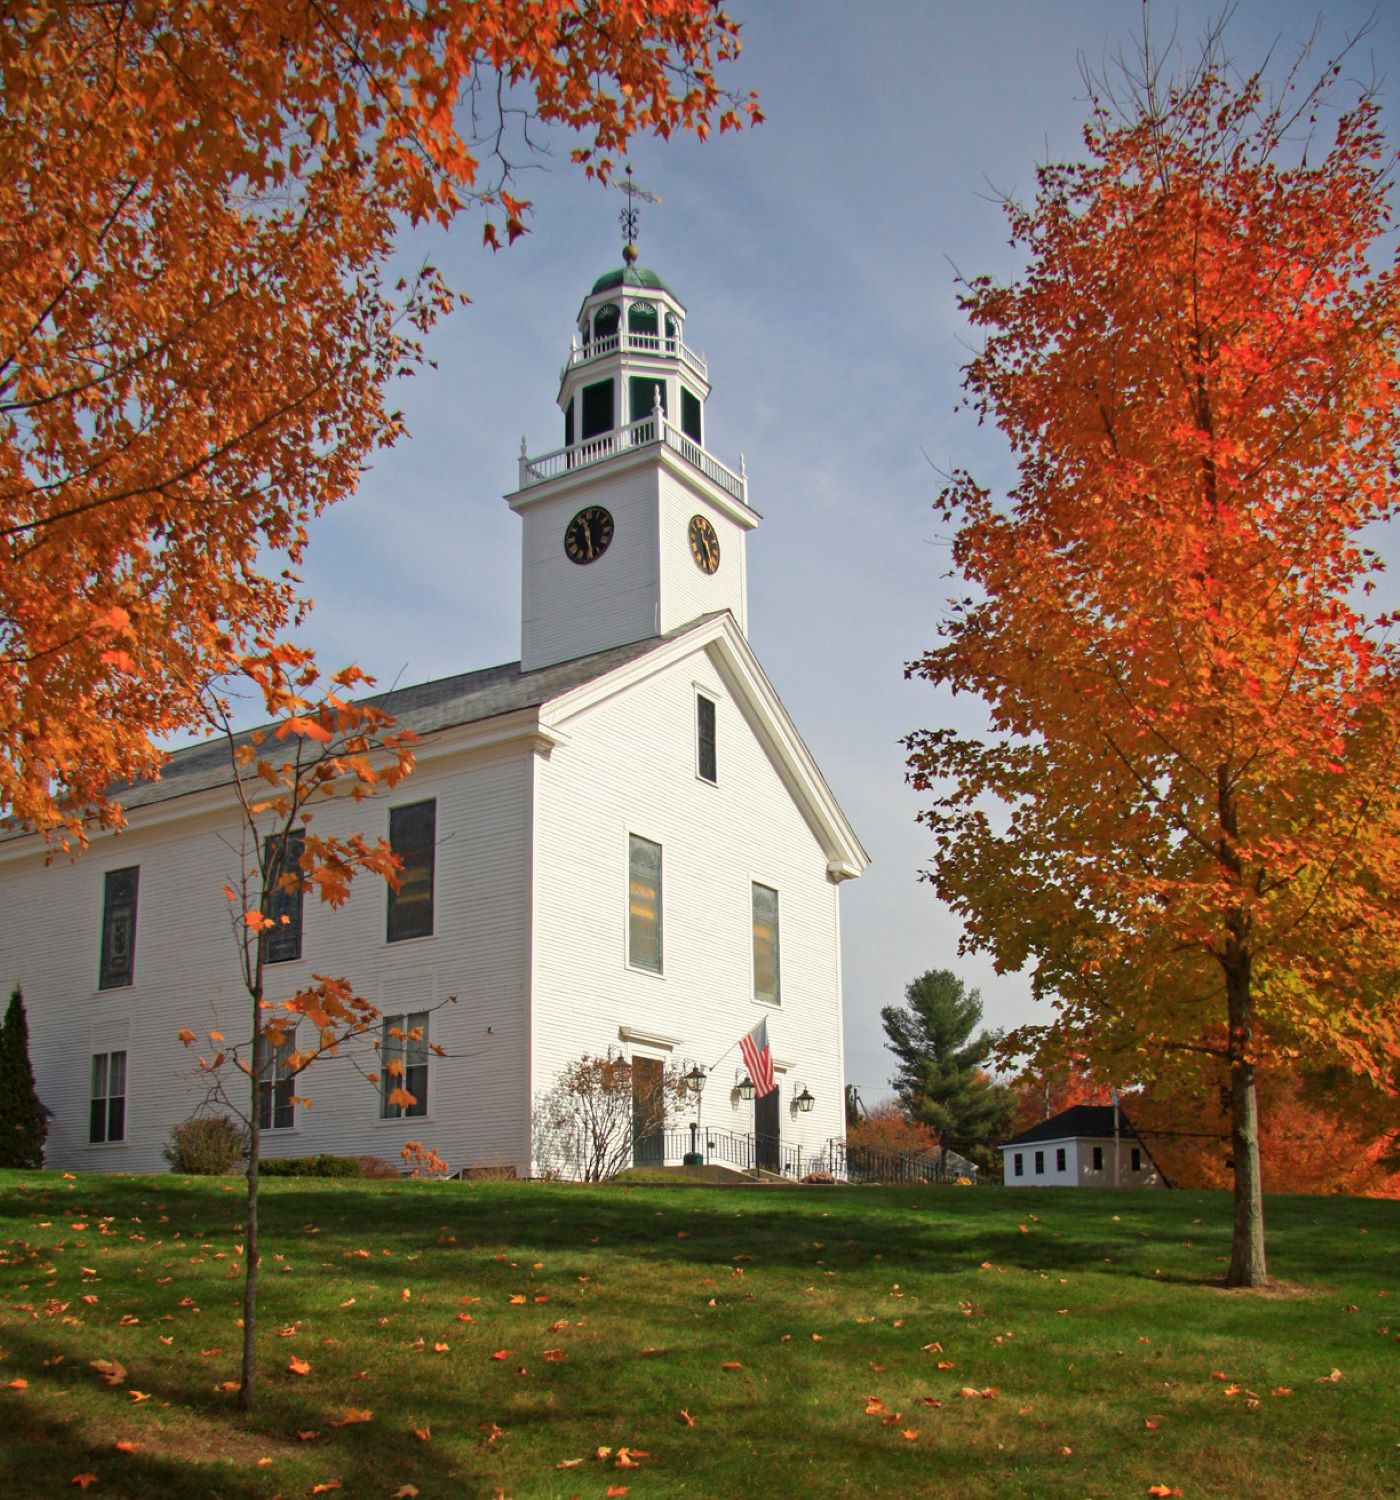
695	1080
746	1090
805	1101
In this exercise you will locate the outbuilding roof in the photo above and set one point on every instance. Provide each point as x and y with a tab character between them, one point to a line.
1094	1121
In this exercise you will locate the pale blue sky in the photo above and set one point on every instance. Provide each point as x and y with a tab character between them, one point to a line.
815	256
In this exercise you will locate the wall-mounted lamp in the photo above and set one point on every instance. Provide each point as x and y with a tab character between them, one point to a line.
805	1100
746	1088
695	1080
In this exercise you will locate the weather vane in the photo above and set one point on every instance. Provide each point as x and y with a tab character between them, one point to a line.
628	217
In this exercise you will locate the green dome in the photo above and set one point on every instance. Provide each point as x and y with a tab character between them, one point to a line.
631	276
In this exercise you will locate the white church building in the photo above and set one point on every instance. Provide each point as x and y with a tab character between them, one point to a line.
618	843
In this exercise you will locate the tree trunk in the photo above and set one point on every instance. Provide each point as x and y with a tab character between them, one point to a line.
247	1390
1247	1265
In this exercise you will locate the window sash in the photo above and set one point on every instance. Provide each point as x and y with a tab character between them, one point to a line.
282	941
413	1053
107	1102
1017	1165
643	904
413	837
276	1083
766	977
705	751
119	894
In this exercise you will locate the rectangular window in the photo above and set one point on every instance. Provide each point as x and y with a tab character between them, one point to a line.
1098	1158
413	837
404	1064
643	904
642	396
276	1083
705	760
690	415
282	863
765	945
597	410
569	425
1059	1158
1137	1160
118	928
1039	1162
107	1111
1017	1165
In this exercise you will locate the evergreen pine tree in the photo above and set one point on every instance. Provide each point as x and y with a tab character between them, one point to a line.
23	1127
941	1079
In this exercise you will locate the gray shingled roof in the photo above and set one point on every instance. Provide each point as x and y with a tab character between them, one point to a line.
424	708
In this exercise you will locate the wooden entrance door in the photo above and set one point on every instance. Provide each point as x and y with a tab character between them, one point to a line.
648	1113
767	1131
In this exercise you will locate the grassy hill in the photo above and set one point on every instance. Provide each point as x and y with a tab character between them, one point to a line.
472	1340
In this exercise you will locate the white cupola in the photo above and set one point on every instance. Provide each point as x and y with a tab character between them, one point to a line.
632	528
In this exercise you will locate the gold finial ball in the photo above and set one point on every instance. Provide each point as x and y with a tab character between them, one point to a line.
629	253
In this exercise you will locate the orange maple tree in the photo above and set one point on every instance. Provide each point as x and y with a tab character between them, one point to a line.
1186	818
198	199
322	745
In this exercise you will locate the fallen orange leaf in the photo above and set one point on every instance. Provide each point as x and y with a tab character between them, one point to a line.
501	1354
329	1484
406	1492
19	1385
554	1355
731	1364
909	1435
139	1395
307	1437
568	1463
298	1366
112	1371
1162	1490
424	1434
83	1480
614	1490
354	1414
687	1418
125	1445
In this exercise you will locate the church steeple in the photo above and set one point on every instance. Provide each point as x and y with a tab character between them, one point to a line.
633	527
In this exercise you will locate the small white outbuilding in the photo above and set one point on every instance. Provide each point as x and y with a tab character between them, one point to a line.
1088	1145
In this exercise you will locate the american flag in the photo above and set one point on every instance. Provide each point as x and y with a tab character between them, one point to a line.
758	1059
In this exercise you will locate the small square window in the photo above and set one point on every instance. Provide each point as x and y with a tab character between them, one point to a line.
403	1064
1017	1165
706	761
107	1107
1039	1162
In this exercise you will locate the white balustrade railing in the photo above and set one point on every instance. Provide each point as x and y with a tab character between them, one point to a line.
639	343
653	429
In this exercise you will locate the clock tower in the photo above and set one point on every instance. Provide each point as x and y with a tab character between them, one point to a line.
633	527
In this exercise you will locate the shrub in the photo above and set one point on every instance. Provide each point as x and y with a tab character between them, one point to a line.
312	1166
206	1146
23	1124
377	1167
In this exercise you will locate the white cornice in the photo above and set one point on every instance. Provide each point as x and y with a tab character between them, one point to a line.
648	1038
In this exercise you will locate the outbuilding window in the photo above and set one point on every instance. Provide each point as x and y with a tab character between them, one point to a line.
1059	1158
1137	1160
1098	1158
1039	1162
1017	1165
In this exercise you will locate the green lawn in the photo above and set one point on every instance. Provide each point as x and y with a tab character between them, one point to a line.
495	1331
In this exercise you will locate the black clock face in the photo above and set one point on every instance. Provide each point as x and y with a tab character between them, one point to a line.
704	544
588	535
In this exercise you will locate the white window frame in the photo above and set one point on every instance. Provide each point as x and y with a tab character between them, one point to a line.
107	1095
404	1050
277	1077
643	968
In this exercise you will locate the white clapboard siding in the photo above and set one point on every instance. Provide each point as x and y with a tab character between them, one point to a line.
629	767
186	974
